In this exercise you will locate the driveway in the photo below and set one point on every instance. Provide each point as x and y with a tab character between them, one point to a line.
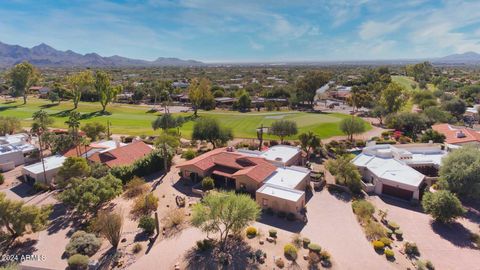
332	224
446	246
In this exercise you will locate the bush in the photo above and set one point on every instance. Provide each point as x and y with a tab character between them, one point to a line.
78	262
208	183
2	179
189	154
290	252
205	244
279	263
314	248
378	245
272	233
389	253
386	241
174	218
306	242
393	226
443	206
374	230
424	265
137	248
325	256
83	243
399	233
144	205
389	232
135	187
40	187
411	249
313	260
363	209
251	232
147	224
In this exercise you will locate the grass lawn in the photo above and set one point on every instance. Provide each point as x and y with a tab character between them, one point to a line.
136	120
407	82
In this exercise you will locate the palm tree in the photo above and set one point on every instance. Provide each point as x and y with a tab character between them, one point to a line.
41	120
73	123
309	142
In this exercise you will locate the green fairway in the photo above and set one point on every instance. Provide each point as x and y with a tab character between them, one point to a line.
136	120
407	82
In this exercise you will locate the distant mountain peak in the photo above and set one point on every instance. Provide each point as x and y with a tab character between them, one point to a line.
45	55
466	58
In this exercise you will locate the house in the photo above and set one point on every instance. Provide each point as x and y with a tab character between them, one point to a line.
274	185
402	171
35	172
457	136
13	149
122	155
88	150
42	91
225	101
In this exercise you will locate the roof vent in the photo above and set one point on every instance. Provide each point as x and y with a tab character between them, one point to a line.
460	134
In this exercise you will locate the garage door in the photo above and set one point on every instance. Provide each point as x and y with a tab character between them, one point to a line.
397	192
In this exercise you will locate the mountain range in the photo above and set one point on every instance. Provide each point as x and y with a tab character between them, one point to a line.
45	56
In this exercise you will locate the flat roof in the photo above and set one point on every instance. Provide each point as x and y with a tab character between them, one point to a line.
283	153
51	163
288	177
281	192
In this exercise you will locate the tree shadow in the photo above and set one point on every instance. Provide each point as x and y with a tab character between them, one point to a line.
4	108
339	194
63	113
184	186
61	219
400	203
274	221
46	106
22	247
236	250
455	233
107	259
9	102
473	212
94	114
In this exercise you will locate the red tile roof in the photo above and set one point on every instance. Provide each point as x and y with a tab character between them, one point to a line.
124	155
232	164
451	134
77	151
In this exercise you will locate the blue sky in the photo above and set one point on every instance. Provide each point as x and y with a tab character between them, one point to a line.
246	30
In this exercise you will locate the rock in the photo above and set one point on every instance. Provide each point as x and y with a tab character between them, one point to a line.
305	257
261	242
270	239
124	240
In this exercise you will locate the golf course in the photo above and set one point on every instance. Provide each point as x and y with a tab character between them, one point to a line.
128	119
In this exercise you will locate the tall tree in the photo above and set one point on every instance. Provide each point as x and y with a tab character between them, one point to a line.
110	226
411	124
200	94
208	129
283	128
168	143
224	213
393	97
41	121
307	86
309	142
9	125
443	206
79	83
73	123
351	126
345	172
22	77
106	92
167	121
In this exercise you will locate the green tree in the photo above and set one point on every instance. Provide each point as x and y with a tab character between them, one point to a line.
411	124
73	167
17	218
283	128
224	213
90	193
437	115
200	94
309	142
147	224
379	112
351	126
79	83
73	124
106	92
22	77
432	135
393	98
460	173
244	102
54	97
167	121
442	205
94	130
9	125
307	86
455	106
345	172
208	129
83	243
168	143
41	121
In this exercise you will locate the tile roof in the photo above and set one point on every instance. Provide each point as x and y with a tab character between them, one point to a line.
451	132
124	155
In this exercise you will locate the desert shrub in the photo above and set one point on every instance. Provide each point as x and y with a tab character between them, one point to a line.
290	216
251	232
378	245
386	241
78	262
389	232
290	252
205	244
40	187
174	218
83	243
475	238
411	249
144	205
314	248
374	230
389	253
189	154
399	234
324	255
297	240
147	224
2	179
313	260
306	242
279	263
393	226
425	265
208	183
272	233
135	187
363	209
281	214
137	248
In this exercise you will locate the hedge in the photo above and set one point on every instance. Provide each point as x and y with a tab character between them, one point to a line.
149	164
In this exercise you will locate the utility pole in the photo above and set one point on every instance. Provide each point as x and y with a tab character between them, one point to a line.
108	129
